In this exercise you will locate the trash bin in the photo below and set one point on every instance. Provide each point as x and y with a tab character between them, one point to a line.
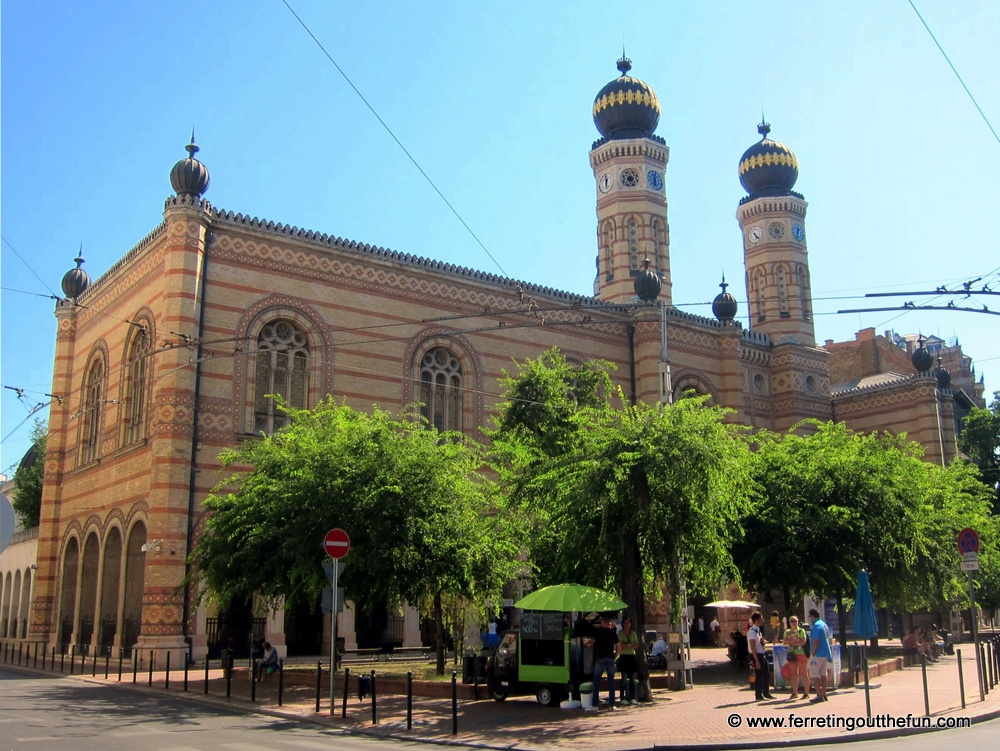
586	695
854	658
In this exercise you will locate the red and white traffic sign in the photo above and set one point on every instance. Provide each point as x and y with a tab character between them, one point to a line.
968	541
336	543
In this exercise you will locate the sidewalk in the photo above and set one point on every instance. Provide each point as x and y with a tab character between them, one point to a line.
716	714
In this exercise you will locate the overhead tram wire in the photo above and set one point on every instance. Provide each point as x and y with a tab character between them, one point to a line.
398	142
953	70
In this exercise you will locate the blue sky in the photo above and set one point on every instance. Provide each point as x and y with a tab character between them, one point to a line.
493	100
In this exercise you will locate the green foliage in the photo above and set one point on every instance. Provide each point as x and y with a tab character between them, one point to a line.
836	501
29	478
980	441
616	497
411	499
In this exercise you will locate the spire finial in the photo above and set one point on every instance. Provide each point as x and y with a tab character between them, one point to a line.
765	127
192	148
624	65
79	257
724	282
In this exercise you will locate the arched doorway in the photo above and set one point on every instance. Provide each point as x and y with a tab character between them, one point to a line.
88	593
67	598
135	580
110	585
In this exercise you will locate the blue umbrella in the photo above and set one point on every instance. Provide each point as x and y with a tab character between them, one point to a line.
865	625
865	622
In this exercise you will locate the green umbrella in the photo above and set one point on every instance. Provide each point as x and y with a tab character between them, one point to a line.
566	597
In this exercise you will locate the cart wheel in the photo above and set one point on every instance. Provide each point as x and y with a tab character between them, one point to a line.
498	692
545	695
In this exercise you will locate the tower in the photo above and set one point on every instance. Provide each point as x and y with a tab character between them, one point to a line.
772	218
629	162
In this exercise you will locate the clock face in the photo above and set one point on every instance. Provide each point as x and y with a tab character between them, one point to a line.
776	230
756	233
607	182
798	233
654	180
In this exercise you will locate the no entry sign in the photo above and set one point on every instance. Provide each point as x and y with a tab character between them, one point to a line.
336	543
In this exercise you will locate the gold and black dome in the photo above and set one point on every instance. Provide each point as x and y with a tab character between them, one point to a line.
189	177
768	168
626	107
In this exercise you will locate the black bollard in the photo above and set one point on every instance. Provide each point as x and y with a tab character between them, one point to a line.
107	663
253	681
121	656
992	654
72	658
135	664
984	677
206	674
374	702
319	682
186	663
151	656
454	703
923	670
347	685
166	680
961	678
44	655
229	674
19	654
83	658
35	663
62	662
409	699
93	666
281	681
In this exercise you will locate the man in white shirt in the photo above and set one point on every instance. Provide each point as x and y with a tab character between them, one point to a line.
755	644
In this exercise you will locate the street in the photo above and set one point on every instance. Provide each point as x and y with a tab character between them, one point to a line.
60	714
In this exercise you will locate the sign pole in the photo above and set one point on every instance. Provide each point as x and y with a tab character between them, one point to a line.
333	637
975	637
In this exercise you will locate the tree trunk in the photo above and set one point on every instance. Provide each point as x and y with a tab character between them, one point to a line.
631	581
439	632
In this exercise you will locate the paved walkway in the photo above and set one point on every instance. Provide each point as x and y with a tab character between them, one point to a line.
717	714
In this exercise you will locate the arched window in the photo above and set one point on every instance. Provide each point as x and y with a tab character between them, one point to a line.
633	243
655	227
282	368
135	387
441	389
608	241
90	412
758	288
802	274
782	283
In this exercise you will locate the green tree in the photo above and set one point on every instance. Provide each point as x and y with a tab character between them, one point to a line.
411	499
980	441
29	478
619	497
837	501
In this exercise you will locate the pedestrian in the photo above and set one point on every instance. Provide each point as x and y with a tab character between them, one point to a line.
795	640
756	642
701	630
715	630
822	655
492	637
628	666
605	645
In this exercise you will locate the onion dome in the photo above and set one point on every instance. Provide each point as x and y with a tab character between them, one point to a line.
75	281
768	168
942	375
189	177
626	107
647	283
921	358
724	306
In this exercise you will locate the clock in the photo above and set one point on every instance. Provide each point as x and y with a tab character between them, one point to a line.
776	230
756	233
607	182
654	180
798	233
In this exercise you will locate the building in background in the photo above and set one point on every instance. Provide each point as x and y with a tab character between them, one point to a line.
165	360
